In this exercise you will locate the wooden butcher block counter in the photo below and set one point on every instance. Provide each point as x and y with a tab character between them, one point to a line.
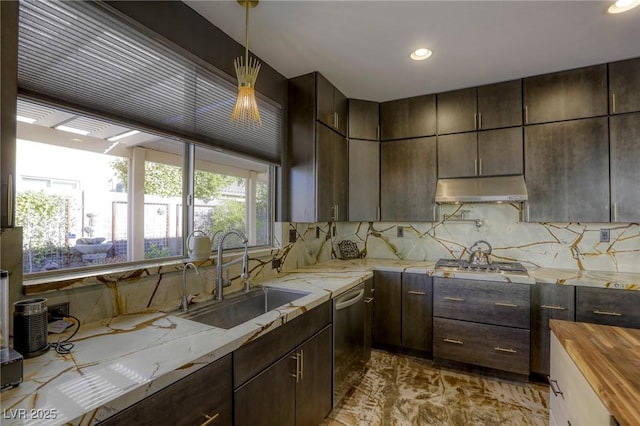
609	358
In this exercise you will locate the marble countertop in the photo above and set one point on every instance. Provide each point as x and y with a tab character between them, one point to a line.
119	361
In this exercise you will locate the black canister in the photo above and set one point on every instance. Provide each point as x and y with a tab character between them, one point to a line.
30	327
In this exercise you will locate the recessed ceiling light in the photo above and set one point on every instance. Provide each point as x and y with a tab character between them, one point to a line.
123	135
420	54
73	130
623	5
25	119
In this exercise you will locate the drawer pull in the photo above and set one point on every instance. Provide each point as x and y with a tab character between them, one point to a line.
555	391
417	293
457	342
557	308
368	300
611	314
210	419
509	350
454	299
508	305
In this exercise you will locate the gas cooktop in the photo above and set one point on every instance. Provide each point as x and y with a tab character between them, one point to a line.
493	267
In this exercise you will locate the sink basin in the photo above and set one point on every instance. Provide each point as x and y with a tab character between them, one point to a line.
236	310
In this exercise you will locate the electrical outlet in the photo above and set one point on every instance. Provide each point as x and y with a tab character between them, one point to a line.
317	232
605	236
275	263
293	235
57	311
400	231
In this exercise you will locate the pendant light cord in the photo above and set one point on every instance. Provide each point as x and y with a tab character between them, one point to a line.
246	36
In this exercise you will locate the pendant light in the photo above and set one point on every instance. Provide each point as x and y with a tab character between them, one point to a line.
246	111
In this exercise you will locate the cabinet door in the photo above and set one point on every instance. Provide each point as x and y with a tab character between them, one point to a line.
340	106
269	398
608	306
500	105
364	120
457	111
457	155
364	180
548	301
368	318
386	308
314	388
624	86
417	315
207	392
500	152
408	118
408	180
566	95
340	178
325	111
625	173
567	171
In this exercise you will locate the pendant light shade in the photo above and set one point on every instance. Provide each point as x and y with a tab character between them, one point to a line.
246	111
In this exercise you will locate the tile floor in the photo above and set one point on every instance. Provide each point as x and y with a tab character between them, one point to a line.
403	390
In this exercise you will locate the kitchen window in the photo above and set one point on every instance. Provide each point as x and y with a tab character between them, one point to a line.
98	199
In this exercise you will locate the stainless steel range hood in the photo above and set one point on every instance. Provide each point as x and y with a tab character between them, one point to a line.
494	189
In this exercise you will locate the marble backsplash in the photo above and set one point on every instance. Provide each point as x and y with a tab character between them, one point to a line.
548	245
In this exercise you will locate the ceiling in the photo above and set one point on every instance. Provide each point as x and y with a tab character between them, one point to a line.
363	47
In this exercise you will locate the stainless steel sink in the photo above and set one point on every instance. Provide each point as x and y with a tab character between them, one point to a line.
235	310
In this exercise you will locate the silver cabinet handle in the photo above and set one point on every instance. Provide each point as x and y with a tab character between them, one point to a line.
611	314
475	167
479	120
506	305
454	299
508	350
368	300
417	293
454	341
554	307
479	166
301	364
297	375
555	391
526	115
614	212
378	133
475	120
210	419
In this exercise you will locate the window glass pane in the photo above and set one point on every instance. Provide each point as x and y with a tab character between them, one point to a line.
65	203
232	193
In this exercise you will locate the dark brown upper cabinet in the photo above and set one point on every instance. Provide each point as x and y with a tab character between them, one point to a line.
625	174
457	111
408	118
500	105
492	106
566	95
483	153
364	120
624	86
567	171
331	105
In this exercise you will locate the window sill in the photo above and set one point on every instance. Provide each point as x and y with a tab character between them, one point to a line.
63	280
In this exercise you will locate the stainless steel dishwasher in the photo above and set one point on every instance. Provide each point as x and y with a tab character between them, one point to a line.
348	341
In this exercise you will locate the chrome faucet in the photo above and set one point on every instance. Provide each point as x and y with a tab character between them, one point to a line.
184	306
220	281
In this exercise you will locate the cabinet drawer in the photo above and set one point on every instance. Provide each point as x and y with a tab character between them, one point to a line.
254	357
608	306
492	346
489	302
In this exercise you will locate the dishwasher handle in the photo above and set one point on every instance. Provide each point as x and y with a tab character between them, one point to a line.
352	301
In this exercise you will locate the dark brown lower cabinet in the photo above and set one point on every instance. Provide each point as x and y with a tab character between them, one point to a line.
608	306
548	301
387	314
199	397
417	312
296	390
